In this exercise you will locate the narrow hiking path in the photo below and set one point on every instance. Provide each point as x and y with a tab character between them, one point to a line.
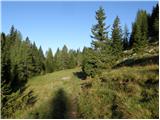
72	113
46	87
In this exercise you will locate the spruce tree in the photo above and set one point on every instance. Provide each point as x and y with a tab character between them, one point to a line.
20	60
72	59
65	57
49	61
125	38
28	57
100	56
117	38
99	33
78	57
153	24
144	28
36	60
57	60
131	40
5	74
12	35
5	60
42	59
17	61
90	64
137	44
141	31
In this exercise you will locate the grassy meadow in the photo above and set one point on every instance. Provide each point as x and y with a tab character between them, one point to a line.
125	91
62	82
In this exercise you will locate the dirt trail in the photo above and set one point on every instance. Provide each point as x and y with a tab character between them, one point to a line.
72	114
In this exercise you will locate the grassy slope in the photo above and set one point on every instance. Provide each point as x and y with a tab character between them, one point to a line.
129	90
119	94
45	88
126	92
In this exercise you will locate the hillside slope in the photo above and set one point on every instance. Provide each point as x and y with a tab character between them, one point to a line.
128	90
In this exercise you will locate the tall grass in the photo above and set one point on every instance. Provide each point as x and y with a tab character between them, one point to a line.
126	92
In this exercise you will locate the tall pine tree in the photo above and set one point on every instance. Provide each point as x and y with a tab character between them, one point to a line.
65	57
141	31
153	24
131	40
42	59
117	38
57	60
125	38
99	31
49	61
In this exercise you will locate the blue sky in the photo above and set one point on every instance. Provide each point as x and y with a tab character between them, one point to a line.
53	24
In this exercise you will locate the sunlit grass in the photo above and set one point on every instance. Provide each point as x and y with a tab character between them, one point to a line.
45	87
135	89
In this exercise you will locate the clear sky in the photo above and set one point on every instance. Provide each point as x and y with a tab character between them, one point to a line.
53	24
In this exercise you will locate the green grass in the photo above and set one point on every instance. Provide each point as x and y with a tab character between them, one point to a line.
129	90
45	88
126	92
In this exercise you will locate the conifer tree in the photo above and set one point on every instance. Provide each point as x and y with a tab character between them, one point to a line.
117	38
5	60
20	60
125	38
137	44
65	57
42	59
17	61
90	65
153	24
78	57
57	60
72	59
5	73
49	61
28	58
131	40
100	56
36	60
141	31
99	33
12	35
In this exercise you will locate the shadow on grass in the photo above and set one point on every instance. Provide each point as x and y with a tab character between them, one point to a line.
59	105
139	62
57	108
81	75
